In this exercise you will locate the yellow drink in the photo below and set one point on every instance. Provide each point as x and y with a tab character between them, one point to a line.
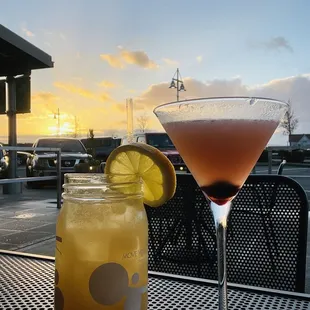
101	251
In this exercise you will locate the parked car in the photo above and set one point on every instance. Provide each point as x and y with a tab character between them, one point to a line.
161	141
42	163
4	163
21	157
101	147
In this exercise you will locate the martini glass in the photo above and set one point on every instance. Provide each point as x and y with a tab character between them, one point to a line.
220	140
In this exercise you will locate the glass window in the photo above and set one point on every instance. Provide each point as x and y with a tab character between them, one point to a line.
160	141
66	145
106	142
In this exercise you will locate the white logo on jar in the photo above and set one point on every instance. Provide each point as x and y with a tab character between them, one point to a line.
134	254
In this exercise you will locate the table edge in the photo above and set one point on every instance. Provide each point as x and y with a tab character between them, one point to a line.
193	280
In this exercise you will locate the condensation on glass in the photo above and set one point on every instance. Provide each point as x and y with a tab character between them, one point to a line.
101	244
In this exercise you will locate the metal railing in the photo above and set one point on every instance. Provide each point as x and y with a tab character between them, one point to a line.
272	161
278	166
38	179
284	163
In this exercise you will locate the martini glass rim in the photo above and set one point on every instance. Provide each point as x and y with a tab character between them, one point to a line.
206	99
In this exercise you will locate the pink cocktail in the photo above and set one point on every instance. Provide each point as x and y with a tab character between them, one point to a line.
220	140
220	153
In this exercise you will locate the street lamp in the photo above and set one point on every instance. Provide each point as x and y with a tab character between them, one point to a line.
180	85
57	116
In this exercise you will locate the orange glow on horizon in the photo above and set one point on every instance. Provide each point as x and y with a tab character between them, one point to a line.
64	129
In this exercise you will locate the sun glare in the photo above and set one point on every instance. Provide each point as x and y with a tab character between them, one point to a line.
65	129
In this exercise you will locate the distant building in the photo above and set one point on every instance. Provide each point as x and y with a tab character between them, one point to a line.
300	140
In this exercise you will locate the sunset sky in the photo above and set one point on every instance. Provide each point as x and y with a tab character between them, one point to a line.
107	51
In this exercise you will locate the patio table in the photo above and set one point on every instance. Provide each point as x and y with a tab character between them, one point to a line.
27	283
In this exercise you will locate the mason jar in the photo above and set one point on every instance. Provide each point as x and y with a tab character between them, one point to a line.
101	244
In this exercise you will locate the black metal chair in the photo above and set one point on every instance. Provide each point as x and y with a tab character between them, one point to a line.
266	238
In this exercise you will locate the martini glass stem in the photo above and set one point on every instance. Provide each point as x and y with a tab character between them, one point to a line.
220	214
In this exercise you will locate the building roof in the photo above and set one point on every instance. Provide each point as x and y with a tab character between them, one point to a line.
18	56
297	137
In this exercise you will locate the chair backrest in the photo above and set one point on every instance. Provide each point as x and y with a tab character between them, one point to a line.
266	238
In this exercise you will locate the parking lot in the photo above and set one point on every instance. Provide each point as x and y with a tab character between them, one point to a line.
300	174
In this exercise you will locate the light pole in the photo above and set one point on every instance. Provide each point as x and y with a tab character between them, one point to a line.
180	85
57	116
76	126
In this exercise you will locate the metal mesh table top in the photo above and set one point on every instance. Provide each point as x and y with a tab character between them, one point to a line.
28	284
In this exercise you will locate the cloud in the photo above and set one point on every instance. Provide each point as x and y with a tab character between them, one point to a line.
107	84
161	93
105	97
199	58
113	60
74	89
274	44
42	105
111	117
45	96
278	43
126	57
296	88
27	32
68	87
138	58
170	62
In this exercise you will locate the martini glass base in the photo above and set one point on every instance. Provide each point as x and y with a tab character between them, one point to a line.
220	215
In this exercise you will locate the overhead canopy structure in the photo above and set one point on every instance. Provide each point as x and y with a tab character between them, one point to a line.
18	56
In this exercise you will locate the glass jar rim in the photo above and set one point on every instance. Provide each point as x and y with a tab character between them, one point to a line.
99	186
99	179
